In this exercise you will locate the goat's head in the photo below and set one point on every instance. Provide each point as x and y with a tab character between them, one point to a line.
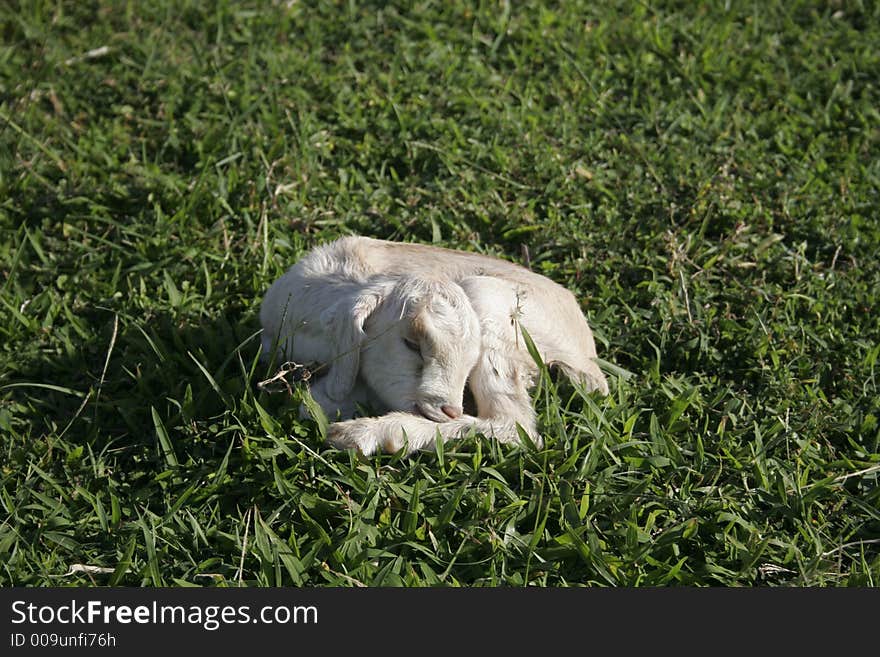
422	341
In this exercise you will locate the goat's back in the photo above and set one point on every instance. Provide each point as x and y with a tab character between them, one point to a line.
359	258
549	312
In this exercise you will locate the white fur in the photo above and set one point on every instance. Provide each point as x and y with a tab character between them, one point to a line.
405	327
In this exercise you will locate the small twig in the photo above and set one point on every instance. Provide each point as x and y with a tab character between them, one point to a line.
348	578
85	568
841	478
849	545
280	378
873	468
834	259
77	414
91	54
770	568
526	258
687	299
311	452
247	522
107	358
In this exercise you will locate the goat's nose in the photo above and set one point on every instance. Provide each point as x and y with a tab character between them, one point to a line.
453	412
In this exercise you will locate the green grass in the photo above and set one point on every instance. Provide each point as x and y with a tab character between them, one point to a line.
704	176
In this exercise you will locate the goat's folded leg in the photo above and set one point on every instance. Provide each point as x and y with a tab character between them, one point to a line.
392	432
500	385
388	433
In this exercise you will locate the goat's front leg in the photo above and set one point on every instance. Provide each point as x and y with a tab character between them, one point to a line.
392	432
500	384
387	433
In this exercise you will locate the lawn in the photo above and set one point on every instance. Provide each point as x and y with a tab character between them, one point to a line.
703	176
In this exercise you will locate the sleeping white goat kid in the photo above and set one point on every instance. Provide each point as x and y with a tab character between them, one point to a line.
406	327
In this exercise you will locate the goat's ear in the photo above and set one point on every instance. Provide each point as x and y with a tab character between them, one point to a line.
344	323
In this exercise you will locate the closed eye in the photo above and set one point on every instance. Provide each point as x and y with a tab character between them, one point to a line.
412	345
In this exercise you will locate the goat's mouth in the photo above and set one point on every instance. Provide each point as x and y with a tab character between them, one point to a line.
430	413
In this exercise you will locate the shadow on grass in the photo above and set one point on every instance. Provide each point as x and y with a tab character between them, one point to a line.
191	386
120	450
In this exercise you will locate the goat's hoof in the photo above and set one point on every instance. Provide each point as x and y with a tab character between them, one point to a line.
367	435
352	434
